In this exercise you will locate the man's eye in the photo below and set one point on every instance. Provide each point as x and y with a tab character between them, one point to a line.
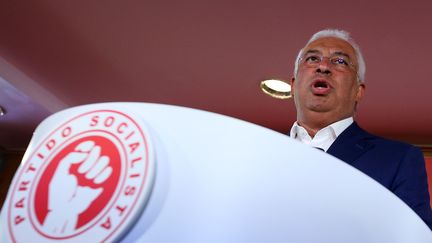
340	61
312	59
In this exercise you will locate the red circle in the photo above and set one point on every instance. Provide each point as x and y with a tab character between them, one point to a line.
109	149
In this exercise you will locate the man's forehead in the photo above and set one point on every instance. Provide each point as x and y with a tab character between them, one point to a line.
332	45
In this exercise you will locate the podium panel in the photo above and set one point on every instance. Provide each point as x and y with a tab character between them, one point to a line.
160	173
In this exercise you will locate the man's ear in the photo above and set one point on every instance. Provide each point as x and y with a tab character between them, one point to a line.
292	86
359	96
360	92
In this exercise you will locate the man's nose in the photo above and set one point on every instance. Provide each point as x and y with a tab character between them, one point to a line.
324	66
323	70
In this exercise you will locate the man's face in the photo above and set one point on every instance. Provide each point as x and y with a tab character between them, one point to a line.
327	88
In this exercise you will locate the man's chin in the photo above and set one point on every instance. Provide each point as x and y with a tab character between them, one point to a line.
319	110
319	107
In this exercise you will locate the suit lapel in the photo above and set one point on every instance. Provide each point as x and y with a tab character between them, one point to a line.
350	144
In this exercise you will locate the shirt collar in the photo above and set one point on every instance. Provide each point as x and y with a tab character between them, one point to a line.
340	126
337	127
324	137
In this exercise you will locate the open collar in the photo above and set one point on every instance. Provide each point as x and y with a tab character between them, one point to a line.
351	144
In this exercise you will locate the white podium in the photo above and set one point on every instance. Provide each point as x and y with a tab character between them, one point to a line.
137	172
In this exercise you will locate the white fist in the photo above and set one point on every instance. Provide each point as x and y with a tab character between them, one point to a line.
67	199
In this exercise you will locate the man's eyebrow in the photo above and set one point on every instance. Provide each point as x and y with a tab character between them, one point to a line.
340	53
312	51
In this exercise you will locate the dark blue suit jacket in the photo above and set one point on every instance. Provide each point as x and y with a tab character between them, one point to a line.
398	166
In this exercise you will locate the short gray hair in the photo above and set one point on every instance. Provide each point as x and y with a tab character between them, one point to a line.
341	34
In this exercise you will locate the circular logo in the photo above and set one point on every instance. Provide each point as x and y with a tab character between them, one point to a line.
87	180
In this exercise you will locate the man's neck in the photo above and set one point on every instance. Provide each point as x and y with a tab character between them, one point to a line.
316	123
311	129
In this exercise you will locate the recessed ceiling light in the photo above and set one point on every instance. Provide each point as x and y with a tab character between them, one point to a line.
2	111
276	88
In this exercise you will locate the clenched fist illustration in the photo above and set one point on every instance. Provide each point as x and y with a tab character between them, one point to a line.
66	198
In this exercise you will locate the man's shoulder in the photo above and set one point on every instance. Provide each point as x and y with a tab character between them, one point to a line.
382	142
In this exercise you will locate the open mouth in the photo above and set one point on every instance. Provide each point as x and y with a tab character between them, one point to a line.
321	84
321	87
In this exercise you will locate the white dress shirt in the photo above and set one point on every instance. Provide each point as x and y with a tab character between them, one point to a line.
323	138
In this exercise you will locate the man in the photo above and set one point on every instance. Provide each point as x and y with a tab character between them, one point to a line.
328	84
